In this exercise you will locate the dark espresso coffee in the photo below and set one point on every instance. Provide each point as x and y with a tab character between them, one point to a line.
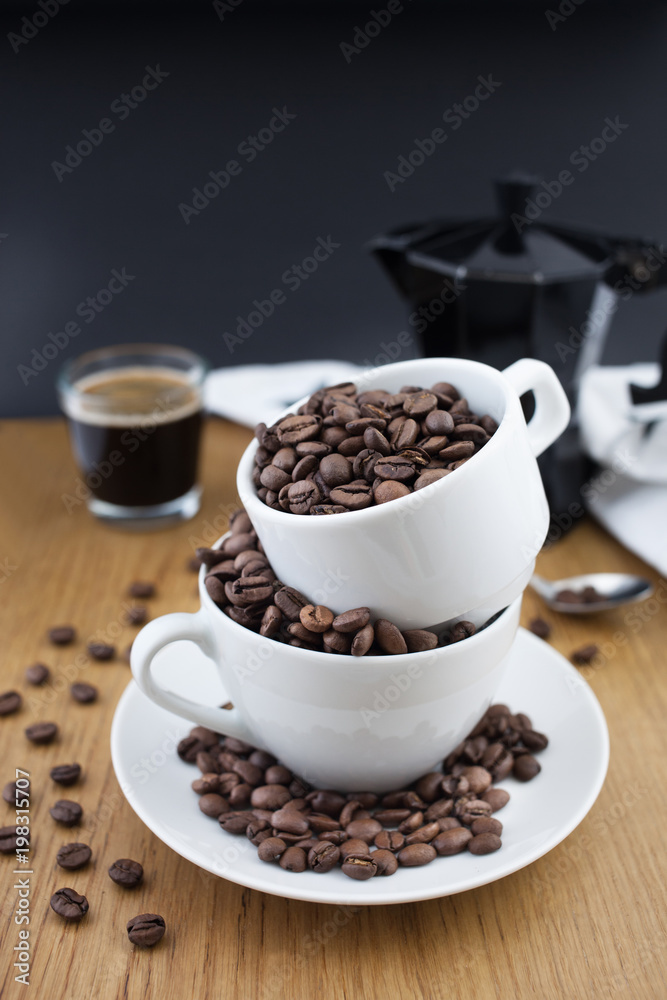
135	433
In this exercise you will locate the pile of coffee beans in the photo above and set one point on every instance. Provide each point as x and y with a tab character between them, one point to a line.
240	580
346	450
443	813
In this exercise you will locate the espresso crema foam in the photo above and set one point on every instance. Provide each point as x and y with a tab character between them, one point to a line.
130	397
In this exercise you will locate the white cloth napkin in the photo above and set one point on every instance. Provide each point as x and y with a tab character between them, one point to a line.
249	394
629	496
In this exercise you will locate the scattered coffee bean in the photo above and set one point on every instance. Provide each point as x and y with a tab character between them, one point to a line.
66	812
526	767
42	732
84	693
62	635
146	929
585	655
293	859
37	674
74	856
10	839
69	904
539	627
486	824
212	804
451	841
416	854
11	793
141	588
484	843
136	615
65	774
10	702
126	872
101	651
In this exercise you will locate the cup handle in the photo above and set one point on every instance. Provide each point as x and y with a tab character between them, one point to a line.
552	409
155	636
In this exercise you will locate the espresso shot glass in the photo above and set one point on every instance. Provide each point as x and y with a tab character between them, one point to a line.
135	414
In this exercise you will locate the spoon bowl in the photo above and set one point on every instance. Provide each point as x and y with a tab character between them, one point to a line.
611	590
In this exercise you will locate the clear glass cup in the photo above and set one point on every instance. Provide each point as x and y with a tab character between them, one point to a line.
135	413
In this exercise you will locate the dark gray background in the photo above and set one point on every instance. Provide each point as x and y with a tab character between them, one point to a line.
322	176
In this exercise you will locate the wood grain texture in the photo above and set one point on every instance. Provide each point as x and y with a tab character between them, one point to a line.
586	921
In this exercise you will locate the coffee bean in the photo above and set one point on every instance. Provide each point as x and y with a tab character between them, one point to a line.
395	467
416	854
388	490
290	602
69	904
101	650
585	655
271	621
248	590
211	557
337	642
209	782
439	423
484	843
430	476
352	621
213	804
146	929
363	829
293	859
236	821
534	741
135	616
126	872
74	856
323	856
470	432
452	841
84	693
539	627
188	748
363	641
457	451
462	630
359	866
274	478
42	732
424	834
417	640
62	635
316	618
335	470
497	798
389	637
526	768
239	795
405	434
37	674
65	774
66	812
439	809
486	824
478	778
141	588
269	796
352	497
385	862
271	849
10	702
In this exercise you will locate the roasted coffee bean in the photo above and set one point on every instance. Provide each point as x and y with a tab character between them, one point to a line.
375	441
534	741
42	732
188	748
293	859
457	451
335	470
452	841
539	627
298	631
484	843
389	637
429	786
462	630
385	862
486	824
470	432
236	821
66	812
424	834
389	840
430	476
271	849
69	904
439	810
271	621
238	543
146	929
303	468
336	837
337	642
37	674
269	797
65	774
274	478
10	839
497	798
290	602
11	792
419	404
276	774
352	497
417	640
210	557
209	782
584	655
249	590
285	459
126	872
239	795
474	808
363	829
391	817
84	693
135	616
10	702
323	856
526	768
352	621
62	635
503	766
74	856
294	429
359	866
439	422
448	823
347	813
405	435
395	467
258	830
208	763
478	778
316	618
322	824
213	804
416	854
324	508
316	448
289	821
363	641
389	489
412	823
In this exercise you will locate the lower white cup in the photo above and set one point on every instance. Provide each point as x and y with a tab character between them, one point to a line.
352	723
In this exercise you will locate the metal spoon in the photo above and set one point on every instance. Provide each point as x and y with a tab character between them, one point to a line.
615	588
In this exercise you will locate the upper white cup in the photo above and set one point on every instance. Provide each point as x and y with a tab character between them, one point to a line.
464	546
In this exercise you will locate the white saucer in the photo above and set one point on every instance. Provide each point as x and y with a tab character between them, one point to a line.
539	815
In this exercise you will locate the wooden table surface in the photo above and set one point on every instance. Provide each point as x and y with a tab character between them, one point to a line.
587	920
